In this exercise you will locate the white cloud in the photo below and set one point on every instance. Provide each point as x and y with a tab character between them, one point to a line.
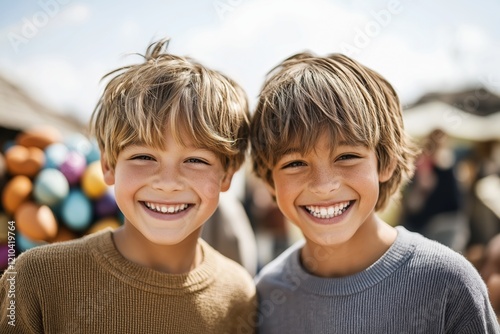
75	14
415	48
256	35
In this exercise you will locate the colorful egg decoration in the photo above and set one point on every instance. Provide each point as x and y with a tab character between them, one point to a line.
76	211
92	182
51	187
36	222
55	155
16	191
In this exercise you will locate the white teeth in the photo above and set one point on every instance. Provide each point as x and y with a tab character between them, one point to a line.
328	212
166	208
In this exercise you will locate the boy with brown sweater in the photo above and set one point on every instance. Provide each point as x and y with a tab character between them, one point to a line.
171	134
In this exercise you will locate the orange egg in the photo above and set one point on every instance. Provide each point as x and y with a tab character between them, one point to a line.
22	160
36	222
64	234
40	136
103	224
16	191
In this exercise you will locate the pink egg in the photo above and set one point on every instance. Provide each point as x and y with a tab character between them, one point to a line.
4	256
73	167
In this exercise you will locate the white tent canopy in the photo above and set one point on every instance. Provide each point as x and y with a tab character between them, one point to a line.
421	120
19	111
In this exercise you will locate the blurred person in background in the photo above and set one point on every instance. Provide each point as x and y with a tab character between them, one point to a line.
433	201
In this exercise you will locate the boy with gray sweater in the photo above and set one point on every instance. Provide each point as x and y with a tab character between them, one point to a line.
328	140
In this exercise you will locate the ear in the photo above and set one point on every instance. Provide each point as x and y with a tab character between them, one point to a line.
270	188
108	172
385	174
226	180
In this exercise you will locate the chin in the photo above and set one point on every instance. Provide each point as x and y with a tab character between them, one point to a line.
333	239
164	240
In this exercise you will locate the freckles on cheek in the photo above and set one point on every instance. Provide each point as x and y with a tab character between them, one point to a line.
210	188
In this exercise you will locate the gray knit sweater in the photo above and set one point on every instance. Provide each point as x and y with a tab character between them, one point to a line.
417	286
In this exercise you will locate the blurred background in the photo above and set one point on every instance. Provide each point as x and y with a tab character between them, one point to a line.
441	56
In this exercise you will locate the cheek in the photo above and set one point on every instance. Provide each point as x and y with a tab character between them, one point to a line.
210	185
285	188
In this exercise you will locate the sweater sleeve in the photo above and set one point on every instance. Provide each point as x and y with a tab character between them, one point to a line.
19	305
483	320
469	309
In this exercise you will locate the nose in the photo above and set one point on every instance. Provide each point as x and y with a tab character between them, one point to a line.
324	181
168	178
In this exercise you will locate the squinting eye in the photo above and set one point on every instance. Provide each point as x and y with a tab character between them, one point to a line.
142	157
347	157
196	161
294	164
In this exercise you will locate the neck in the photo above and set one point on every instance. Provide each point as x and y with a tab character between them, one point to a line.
368	244
172	259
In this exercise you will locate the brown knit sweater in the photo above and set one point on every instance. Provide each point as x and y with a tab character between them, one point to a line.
87	286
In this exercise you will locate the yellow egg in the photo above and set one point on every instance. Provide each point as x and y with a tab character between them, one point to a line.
36	222
92	182
17	191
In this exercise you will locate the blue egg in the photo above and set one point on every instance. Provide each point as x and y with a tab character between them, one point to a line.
76	211
79	143
55	155
50	187
23	243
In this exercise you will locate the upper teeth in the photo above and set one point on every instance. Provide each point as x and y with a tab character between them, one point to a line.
166	208
328	211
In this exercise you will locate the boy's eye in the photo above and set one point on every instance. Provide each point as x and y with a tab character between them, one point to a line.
196	161
294	164
347	157
142	157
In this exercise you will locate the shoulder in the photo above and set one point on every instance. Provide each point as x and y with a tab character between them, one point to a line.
57	256
441	266
429	255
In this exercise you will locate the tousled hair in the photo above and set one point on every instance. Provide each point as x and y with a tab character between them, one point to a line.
171	93
306	96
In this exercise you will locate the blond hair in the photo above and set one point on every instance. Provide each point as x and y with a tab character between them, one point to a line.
176	94
307	95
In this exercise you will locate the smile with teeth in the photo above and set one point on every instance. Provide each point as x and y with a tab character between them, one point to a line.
162	208
325	212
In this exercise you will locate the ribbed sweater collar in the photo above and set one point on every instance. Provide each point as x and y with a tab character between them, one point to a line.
397	254
105	253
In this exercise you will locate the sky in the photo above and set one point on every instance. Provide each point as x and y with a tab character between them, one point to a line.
58	50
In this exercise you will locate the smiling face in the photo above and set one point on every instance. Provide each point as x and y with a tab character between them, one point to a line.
167	194
329	194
